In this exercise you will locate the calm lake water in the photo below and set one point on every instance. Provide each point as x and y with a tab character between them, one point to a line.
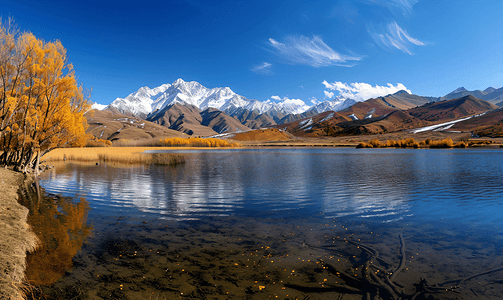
447	205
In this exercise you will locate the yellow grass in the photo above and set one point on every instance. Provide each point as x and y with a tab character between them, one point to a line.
198	142
411	143
126	155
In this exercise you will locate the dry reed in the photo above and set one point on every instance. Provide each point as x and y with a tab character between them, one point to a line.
198	142
411	143
125	155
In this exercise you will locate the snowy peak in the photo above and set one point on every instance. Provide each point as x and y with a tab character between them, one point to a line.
146	101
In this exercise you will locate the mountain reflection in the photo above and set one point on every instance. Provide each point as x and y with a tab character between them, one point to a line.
60	224
248	183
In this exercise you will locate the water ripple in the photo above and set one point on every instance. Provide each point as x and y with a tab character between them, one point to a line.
383	186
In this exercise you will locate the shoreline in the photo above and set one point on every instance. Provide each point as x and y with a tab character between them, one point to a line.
16	236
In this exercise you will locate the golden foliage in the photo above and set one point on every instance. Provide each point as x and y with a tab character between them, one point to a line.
61	226
445	143
41	105
198	142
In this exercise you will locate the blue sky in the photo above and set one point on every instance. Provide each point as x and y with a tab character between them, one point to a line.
286	49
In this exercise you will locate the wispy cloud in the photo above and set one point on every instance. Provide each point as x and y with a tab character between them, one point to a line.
393	36
264	68
310	51
403	6
361	91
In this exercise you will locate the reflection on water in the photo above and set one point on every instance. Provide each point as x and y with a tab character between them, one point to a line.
382	186
232	221
62	228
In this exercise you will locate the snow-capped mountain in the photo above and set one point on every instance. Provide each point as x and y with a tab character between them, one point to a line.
148	101
140	102
337	104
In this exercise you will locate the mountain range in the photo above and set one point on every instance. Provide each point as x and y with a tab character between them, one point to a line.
193	109
147	103
384	118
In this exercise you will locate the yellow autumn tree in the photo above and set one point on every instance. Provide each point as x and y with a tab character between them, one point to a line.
41	105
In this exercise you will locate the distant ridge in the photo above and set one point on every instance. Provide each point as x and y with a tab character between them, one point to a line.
377	116
193	109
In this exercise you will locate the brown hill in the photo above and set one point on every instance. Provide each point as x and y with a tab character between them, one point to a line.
395	121
220	122
381	115
494	96
184	118
488	119
379	106
171	113
296	117
271	134
489	124
316	125
252	119
494	131
191	120
110	125
451	109
403	100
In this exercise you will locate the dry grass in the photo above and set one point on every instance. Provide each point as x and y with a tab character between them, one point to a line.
198	142
150	142
411	143
125	155
98	143
16	237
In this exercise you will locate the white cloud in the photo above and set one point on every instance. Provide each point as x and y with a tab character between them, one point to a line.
310	51
264	68
360	91
288	101
295	106
393	36
328	94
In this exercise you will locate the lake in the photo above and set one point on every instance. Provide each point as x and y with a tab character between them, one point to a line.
283	223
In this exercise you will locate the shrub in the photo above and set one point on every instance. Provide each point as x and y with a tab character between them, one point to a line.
98	143
392	143
409	143
361	145
375	143
461	144
445	143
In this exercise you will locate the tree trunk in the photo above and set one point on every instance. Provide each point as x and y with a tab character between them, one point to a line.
37	163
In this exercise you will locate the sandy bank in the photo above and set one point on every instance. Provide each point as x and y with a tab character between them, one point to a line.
16	237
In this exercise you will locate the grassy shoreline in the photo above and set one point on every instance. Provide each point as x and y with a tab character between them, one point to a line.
16	236
125	155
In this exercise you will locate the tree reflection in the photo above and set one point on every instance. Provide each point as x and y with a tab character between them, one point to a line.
60	224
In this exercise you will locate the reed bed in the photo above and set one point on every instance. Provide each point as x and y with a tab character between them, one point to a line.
176	142
411	143
124	155
198	142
